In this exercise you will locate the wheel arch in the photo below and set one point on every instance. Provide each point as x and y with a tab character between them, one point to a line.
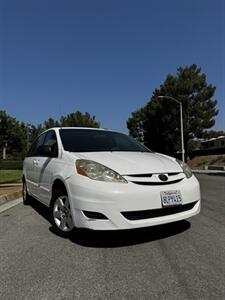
57	185
58	189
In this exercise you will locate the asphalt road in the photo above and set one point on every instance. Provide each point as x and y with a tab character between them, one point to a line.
184	260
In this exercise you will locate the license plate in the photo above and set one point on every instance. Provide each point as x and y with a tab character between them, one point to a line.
171	198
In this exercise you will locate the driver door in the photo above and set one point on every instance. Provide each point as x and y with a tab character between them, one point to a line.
47	167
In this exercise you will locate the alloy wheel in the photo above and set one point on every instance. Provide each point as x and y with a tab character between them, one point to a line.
62	214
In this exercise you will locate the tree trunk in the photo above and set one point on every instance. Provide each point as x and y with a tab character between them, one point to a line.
4	152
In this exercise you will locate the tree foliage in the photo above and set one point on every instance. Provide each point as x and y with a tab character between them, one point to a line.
77	119
12	138
50	123
158	123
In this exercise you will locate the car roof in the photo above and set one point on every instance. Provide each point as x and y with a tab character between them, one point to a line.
83	128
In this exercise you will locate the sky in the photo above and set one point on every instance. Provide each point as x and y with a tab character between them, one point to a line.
105	57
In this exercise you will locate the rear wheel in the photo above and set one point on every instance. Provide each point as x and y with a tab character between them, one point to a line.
60	213
26	197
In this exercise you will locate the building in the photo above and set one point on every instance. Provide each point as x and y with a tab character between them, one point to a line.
214	143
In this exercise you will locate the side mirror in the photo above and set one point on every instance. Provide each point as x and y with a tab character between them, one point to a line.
44	150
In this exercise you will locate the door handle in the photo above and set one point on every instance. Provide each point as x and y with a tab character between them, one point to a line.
35	162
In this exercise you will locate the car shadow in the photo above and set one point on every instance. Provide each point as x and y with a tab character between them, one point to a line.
123	238
116	238
40	208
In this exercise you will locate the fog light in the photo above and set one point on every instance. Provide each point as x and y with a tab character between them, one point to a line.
94	215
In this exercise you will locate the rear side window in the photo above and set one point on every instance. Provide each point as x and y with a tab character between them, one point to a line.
51	140
38	142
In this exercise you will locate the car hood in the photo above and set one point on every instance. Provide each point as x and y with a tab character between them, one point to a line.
127	163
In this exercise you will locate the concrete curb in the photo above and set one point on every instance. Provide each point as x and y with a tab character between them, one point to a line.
10	197
10	184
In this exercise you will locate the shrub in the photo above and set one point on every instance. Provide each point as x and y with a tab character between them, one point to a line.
11	164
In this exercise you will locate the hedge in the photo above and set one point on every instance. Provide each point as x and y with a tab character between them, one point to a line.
11	164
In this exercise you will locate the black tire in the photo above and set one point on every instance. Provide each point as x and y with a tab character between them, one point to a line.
60	213
26	196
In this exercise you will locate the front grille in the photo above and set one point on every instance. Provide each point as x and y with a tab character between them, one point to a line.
156	182
151	174
155	178
140	175
159	212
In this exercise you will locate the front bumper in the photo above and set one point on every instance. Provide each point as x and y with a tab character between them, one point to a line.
110	199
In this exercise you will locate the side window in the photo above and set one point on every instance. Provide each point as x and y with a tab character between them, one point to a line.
51	140
38	142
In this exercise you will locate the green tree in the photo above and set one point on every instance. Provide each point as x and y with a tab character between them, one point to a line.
12	136
50	123
158	123
78	119
30	132
35	131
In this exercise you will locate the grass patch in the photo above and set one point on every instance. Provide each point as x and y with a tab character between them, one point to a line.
10	176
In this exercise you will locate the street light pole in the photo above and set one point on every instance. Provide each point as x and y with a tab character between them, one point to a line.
182	132
181	124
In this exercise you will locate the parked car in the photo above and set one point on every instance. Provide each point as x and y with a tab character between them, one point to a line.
105	180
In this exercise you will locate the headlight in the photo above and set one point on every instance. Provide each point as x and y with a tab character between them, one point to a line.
187	171
96	171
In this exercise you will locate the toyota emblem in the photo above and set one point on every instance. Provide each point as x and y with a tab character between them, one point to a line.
163	177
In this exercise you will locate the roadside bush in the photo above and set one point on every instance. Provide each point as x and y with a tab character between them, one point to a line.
11	164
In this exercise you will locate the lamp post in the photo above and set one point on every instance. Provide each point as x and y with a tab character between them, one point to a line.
181	123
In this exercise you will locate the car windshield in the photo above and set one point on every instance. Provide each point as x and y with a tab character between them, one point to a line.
90	140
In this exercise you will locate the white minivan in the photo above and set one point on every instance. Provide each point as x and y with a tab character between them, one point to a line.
105	180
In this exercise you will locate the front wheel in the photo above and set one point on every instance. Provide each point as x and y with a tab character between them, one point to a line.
60	213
